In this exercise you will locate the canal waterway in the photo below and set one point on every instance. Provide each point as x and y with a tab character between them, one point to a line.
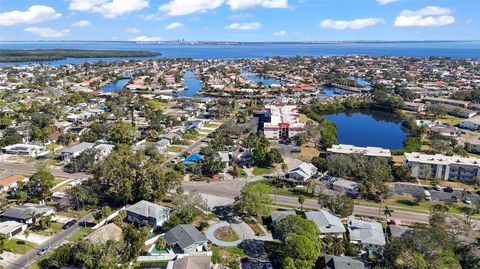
115	86
193	84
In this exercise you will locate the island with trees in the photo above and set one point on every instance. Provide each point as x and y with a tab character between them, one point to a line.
7	55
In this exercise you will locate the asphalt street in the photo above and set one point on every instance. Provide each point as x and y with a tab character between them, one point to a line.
410	189
25	260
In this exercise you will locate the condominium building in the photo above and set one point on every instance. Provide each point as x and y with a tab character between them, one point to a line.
373	152
282	122
443	167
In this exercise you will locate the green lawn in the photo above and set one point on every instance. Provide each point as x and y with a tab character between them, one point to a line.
175	148
262	170
18	246
226	234
241	172
211	125
79	235
36	264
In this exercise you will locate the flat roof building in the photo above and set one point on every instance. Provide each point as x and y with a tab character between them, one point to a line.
444	167
282	122
26	150
366	151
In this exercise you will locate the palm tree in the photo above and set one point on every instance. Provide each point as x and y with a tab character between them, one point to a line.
161	243
387	212
34	216
301	200
26	233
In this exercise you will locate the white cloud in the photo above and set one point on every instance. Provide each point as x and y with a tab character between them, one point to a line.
173	25
353	24
108	9
47	32
280	33
34	14
185	7
132	30
143	38
427	16
242	4
82	23
386	2
244	26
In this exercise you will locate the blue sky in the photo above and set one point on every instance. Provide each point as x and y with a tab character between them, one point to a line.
239	20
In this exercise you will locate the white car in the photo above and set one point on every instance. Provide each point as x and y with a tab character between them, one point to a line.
467	201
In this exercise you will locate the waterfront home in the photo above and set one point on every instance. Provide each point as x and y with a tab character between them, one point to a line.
23	213
445	131
11	228
25	150
327	223
186	239
303	172
147	212
342	262
416	107
370	152
458	168
366	234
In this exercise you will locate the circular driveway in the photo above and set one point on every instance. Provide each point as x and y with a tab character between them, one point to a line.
210	235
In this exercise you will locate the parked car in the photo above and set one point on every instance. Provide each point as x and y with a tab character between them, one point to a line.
448	189
43	250
428	196
69	224
437	188
467	201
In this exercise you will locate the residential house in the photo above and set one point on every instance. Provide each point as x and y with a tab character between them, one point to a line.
225	158
75	150
342	262
185	238
277	216
25	150
191	262
108	232
327	223
343	185
144	211
397	231
303	172
23	213
416	107
11	228
11	182
366	234
471	124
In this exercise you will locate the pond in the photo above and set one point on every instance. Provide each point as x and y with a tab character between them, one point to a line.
115	86
192	84
369	128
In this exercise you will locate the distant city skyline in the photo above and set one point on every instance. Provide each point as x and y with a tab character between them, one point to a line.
239	20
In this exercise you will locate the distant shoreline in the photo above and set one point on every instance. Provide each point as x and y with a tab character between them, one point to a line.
19	55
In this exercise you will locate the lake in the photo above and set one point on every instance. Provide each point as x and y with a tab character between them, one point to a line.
467	49
369	128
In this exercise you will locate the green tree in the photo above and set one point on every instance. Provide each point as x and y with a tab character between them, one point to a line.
122	133
254	200
39	185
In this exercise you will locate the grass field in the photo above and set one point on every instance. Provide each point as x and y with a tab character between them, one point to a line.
450	120
241	172
226	234
307	152
175	148
262	170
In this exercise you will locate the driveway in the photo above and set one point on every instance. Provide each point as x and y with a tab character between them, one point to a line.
8	258
244	231
34	238
211	231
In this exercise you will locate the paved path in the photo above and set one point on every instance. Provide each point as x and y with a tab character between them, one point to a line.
211	231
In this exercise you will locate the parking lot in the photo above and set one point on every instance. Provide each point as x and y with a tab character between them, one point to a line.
403	189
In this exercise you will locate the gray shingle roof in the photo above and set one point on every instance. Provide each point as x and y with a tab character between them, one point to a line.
326	222
193	262
23	211
344	262
279	215
184	235
366	232
148	209
77	148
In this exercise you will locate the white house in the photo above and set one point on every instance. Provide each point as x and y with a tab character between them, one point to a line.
342	185
10	228
25	150
303	172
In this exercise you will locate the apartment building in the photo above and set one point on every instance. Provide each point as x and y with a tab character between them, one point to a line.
282	122
372	152
439	166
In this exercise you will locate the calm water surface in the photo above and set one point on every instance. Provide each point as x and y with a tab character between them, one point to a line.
369	128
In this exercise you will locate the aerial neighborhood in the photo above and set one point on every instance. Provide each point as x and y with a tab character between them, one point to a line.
334	162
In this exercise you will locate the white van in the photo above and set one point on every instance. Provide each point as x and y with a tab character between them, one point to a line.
428	197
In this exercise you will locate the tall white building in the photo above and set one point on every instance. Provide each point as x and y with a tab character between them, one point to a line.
442	167
282	122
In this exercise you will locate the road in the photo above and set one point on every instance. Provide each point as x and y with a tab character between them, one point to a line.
25	260
231	188
29	168
410	189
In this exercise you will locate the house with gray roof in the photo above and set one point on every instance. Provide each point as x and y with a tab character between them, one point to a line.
185	238
366	234
342	262
277	216
397	231
23	213
75	150
343	185
326	223
144	211
192	262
